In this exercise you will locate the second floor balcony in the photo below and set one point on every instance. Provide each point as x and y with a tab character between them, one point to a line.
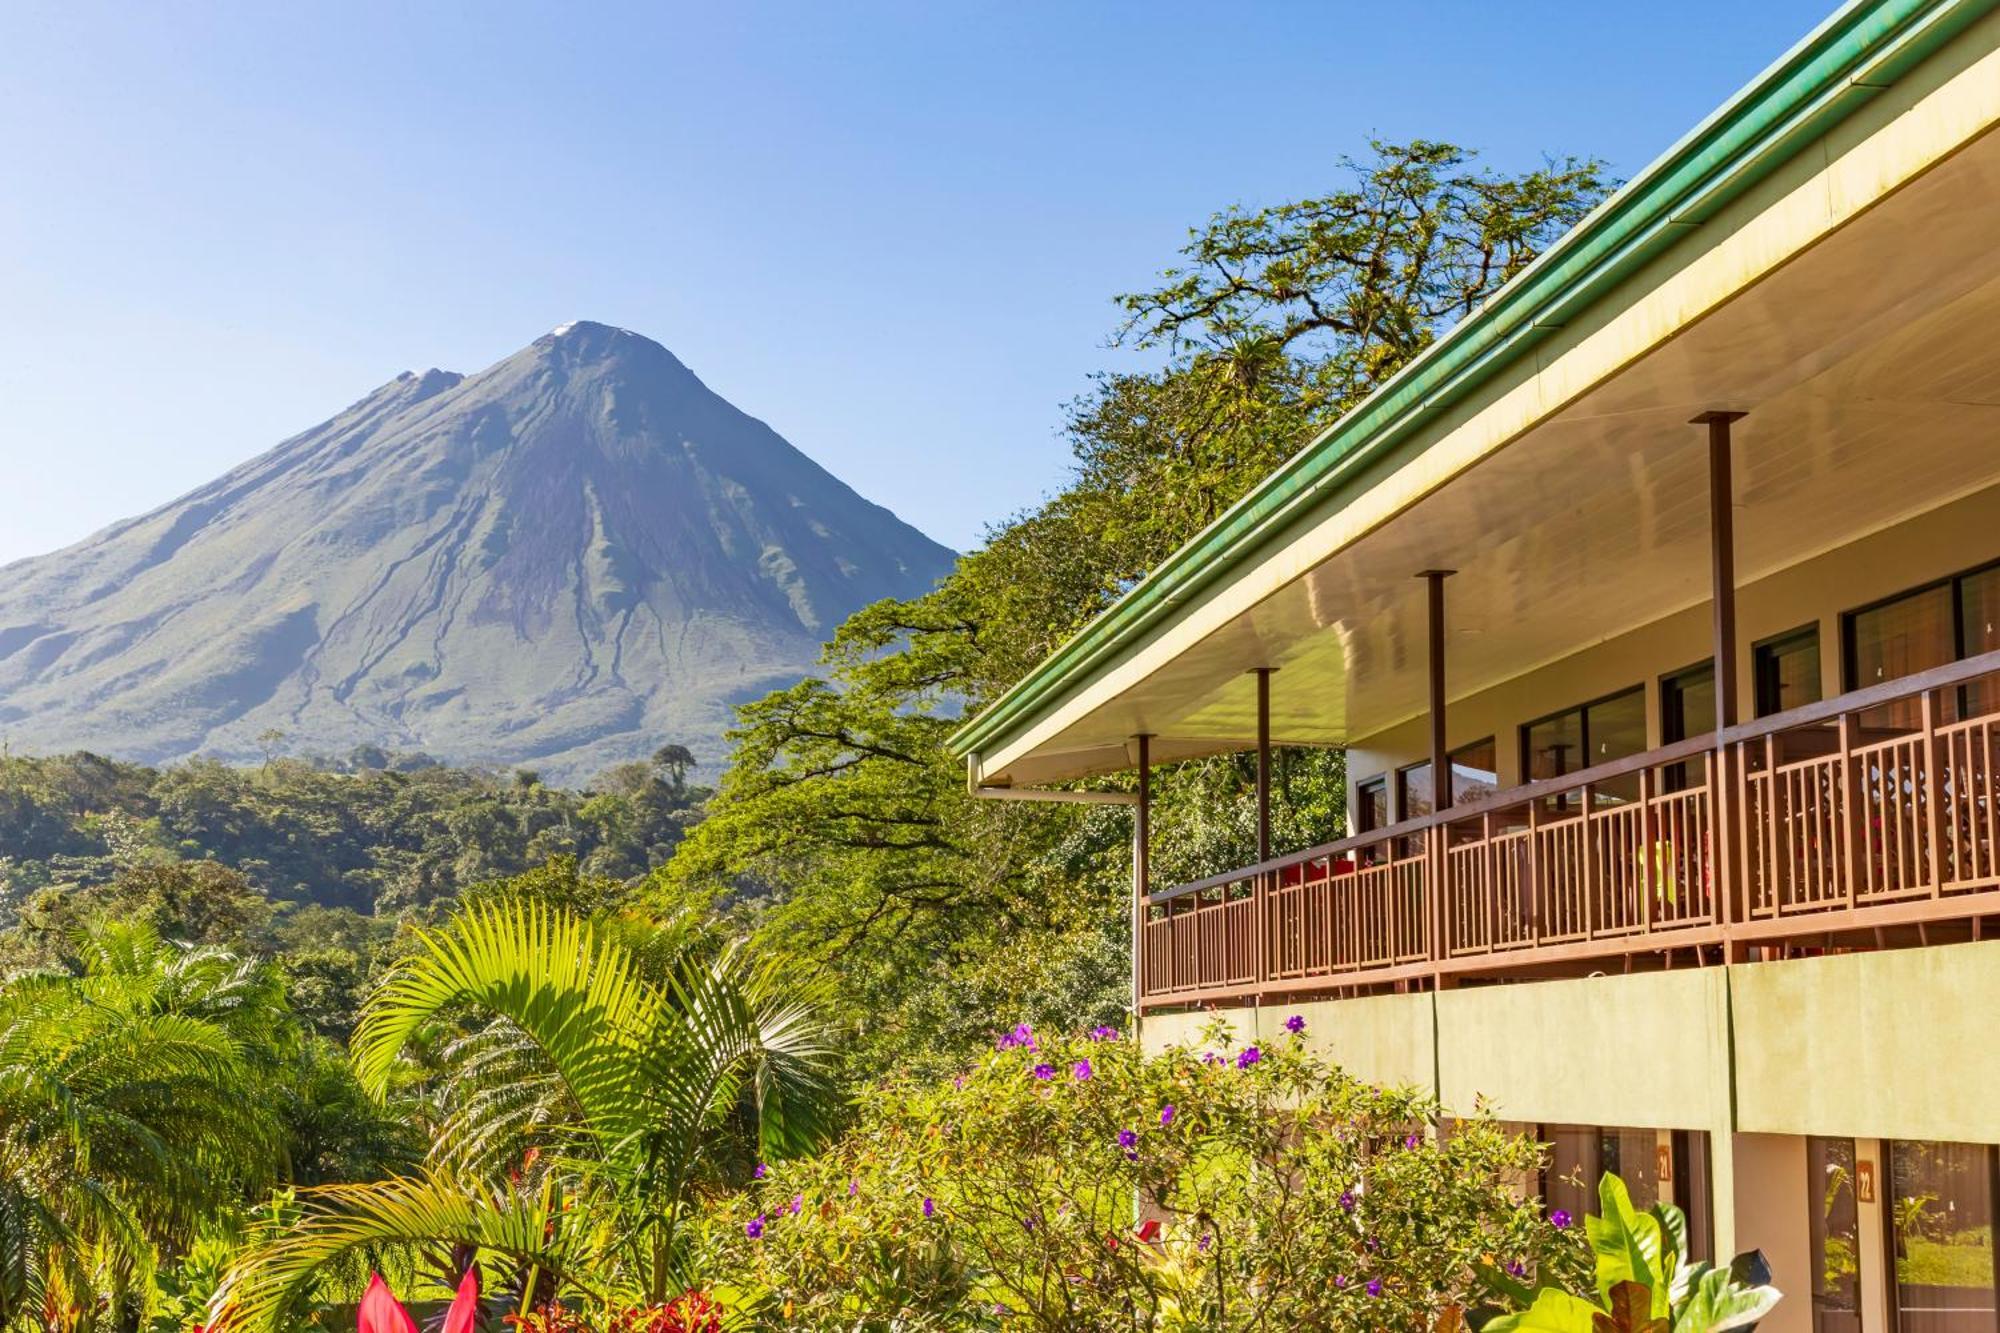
1865	820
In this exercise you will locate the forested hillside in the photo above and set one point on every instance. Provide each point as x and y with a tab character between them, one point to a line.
316	861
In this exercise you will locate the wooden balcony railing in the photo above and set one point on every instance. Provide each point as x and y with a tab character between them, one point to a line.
1868	813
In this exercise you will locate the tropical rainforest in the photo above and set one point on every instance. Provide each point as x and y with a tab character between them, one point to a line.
266	1030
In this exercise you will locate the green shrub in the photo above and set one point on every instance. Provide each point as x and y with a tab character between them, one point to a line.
1074	1184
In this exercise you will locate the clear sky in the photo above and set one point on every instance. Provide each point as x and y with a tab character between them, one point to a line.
891	230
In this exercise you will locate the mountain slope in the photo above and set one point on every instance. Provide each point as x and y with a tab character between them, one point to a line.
565	560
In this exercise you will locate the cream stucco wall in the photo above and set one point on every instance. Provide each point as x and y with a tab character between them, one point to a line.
1897	1044
1920	550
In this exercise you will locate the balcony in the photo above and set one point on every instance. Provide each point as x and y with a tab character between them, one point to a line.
1865	821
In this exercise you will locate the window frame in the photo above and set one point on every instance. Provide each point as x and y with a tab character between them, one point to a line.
1450	756
1952	581
1583	727
1811	629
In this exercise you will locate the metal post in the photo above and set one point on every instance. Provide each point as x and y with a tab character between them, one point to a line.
1142	842
1441	783
1263	675
1722	572
1722	552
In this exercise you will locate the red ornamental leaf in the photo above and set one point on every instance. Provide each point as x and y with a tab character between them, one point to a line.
1148	1231
381	1312
464	1310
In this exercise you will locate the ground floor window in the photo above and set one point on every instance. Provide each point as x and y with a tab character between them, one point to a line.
1654	1164
1835	1225
1941	1204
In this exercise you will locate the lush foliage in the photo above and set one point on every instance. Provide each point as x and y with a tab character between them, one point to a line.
1271	1192
581	1085
374	834
936	910
1645	1280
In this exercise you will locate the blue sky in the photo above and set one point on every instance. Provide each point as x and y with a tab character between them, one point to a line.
891	230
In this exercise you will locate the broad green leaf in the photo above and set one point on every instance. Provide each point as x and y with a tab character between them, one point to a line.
1719	1303
1627	1243
1553	1312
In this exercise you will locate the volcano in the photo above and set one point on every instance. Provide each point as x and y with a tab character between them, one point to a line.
564	561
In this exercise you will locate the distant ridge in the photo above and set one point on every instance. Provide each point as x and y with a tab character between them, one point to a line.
563	561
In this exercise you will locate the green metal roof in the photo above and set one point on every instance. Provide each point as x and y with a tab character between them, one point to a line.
1849	59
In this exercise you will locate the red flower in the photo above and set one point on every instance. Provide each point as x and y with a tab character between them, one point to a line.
381	1312
1148	1231
464	1310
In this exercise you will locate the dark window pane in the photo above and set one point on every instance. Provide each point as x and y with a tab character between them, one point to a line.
1374	804
1687	704
1413	786
1979	622
1897	639
1687	709
1576	1159
1835	1227
1616	729
1694	1191
1787	672
1941	1216
1555	746
1633	1156
1474	771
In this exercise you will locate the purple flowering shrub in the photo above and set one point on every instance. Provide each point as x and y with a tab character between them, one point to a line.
1272	1192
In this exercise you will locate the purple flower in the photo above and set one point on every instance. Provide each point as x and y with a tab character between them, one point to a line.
1515	1268
798	1202
1205	1241
853	1188
1374	1286
1022	1035
1127	1138
1560	1218
1347	1201
1103	1033
1296	1024
1045	1071
754	1228
1250	1055
1081	1069
1411	1142
1371	1245
761	1171
930	1208
1340	1280
1210	1057
959	1083
1166	1115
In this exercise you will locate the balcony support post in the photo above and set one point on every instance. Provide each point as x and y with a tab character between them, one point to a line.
1436	839
1725	791
1441	784
1142	843
1261	911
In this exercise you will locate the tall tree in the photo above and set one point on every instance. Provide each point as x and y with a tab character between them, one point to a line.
841	812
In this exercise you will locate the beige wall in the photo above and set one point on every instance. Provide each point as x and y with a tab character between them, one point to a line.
1769	1185
1900	1044
1641	1051
1893	1044
1919	550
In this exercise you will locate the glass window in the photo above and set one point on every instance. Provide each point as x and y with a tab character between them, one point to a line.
1979	632
1687	709
1472	776
1787	671
1372	807
1474	771
1913	633
1687	703
1941	1223
1835	1227
1597	733
1413	790
1580	1154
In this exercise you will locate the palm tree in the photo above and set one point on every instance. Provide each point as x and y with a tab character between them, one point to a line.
127	1112
588	1089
